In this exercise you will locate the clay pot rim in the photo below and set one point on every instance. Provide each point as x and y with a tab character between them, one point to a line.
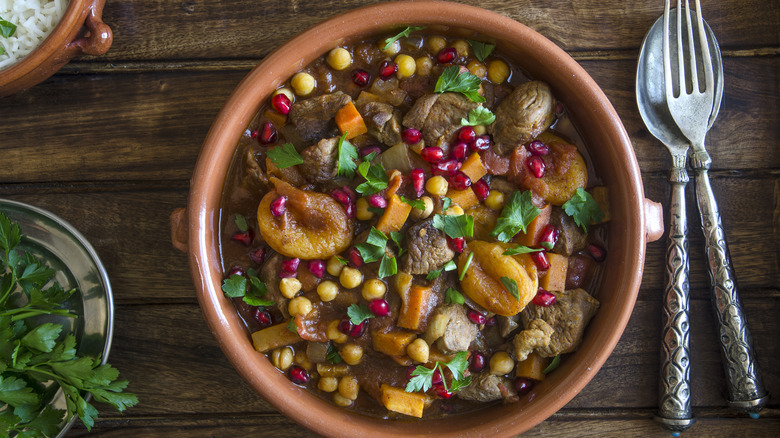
203	218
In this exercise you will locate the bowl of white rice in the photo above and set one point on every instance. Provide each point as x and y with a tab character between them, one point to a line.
38	37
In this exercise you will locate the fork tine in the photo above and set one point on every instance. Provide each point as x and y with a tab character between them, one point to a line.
709	81
683	84
667	56
694	71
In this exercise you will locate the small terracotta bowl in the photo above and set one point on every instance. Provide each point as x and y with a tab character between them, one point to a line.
81	31
635	220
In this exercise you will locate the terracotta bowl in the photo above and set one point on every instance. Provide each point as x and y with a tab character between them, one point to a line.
81	31
635	219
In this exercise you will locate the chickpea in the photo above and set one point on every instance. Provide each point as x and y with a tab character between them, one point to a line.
501	364
339	58
342	401
437	185
327	290
424	213
334	266
334	334
480	130
406	66
328	384
348	387
436	43
289	287
361	210
454	210
282	358
302	359
350	277
303	83
373	289
392	49
286	92
299	306
418	350
424	65
497	71
495	200
352	354
477	68
462	47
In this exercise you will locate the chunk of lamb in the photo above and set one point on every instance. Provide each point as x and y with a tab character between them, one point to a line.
536	335
568	316
486	387
314	118
460	332
521	116
320	161
428	249
382	121
571	237
438	116
269	273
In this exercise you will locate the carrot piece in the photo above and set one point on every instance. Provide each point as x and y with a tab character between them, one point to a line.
601	196
350	121
532	367
555	280
392	343
534	230
417	307
465	198
398	400
395	215
473	167
273	337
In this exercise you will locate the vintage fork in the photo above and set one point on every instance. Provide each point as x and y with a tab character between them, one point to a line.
691	109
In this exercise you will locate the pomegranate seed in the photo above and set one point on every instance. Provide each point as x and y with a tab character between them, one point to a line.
441	392
289	268
235	270
263	317
467	134
350	193
476	317
354	258
460	181
481	189
432	154
387	69
446	55
409	370
436	378
278	206
447	167
244	237
544	298
345	325
349	209
377	200
267	134
379	307
298	375
549	236
418	181
457	244
411	136
480	143
459	151
341	196
491	321
316	267
523	386
536	165
536	147
598	252
368	150
540	259
281	103
358	329
360	77
477	362
257	255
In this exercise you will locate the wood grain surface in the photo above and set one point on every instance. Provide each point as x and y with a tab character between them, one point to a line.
109	144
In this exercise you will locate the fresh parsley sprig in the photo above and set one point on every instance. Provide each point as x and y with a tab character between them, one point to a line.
358	313
404	33
250	288
517	213
373	249
422	377
479	116
481	50
376	178
285	156
415	203
521	249
452	296
455	226
452	79
346	158
583	209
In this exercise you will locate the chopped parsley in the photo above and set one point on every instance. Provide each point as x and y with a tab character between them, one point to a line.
583	209
481	50
466	266
240	221
449	266
376	178
358	313
452	79
511	287
455	226
252	290
397	237
333	356
446	203
285	156
518	212
347	156
416	203
373	249
291	326
422	377
387	267
452	296
553	364
7	29
404	33
479	116
521	249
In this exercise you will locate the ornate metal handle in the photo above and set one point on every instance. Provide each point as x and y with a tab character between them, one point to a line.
674	407
746	387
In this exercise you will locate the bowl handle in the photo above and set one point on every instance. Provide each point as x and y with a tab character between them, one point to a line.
99	36
179	229
654	220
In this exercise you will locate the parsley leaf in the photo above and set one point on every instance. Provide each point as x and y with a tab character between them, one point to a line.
415	203
285	156
445	204
422	377
583	209
452	79
333	356
521	249
511	286
373	248
387	267
234	286
452	296
257	290
553	364
358	313
252	290
347	156
457	385
397	237
481	50
466	266
240	221
458	364
449	266
291	326
7	29
518	212
455	226
404	33
376	178
479	116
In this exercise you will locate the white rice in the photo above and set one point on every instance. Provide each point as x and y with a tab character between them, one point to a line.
34	19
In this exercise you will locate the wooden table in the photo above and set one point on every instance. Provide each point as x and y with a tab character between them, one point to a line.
109	144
